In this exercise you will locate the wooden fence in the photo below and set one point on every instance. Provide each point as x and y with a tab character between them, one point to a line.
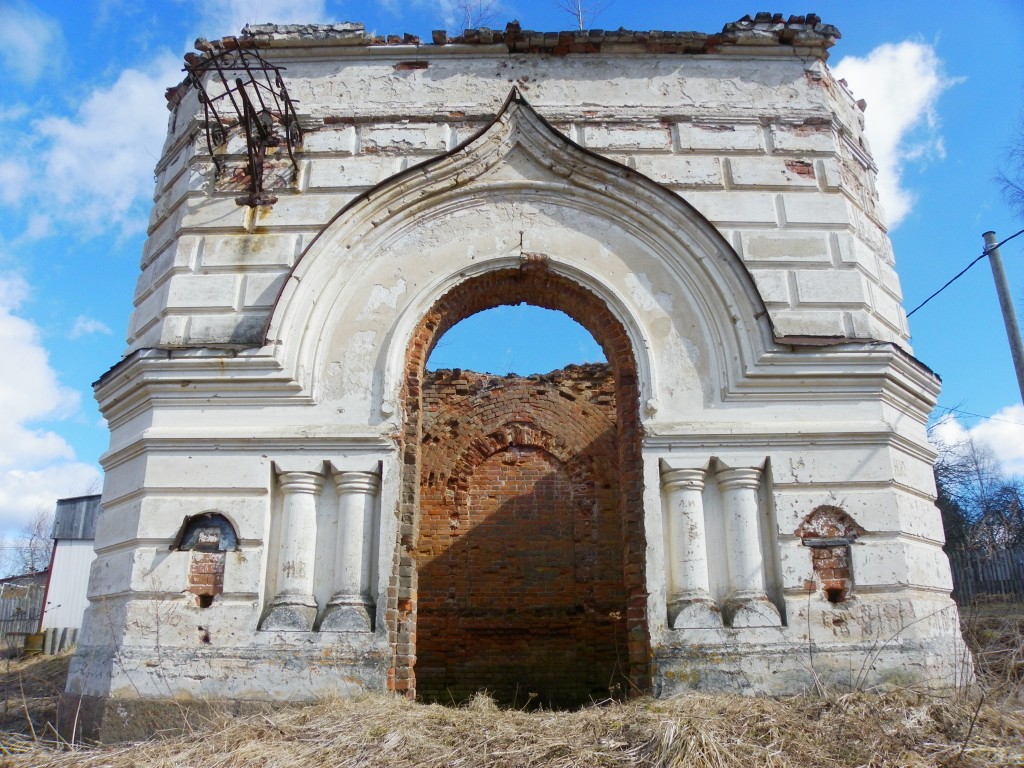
20	608
987	573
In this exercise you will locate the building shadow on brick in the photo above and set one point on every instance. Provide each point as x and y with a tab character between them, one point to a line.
520	554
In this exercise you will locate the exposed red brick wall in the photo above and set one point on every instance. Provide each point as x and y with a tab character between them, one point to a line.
536	285
829	531
206	576
832	568
520	549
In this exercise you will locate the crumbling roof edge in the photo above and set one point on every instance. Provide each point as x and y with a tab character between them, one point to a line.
762	31
764	34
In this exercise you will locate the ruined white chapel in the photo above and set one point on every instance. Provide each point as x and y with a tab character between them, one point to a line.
295	506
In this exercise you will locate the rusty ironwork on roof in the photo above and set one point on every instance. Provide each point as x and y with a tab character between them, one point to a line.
240	89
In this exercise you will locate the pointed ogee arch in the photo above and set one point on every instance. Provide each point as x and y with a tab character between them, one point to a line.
517	171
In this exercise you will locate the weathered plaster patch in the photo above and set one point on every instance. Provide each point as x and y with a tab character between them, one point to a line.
350	374
644	294
381	296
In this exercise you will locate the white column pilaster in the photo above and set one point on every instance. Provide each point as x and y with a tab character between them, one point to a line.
351	608
690	604
294	608
747	604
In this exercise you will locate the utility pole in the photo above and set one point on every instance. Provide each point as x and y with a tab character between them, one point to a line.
1006	303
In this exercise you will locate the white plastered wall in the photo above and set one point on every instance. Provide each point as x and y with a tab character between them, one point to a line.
707	294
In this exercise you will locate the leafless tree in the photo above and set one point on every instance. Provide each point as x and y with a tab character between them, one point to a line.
583	12
29	551
982	509
469	14
1012	180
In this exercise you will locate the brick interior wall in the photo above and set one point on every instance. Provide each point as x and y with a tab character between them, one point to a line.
521	589
832	568
535	284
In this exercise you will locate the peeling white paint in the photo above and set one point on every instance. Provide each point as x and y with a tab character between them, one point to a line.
381	296
645	295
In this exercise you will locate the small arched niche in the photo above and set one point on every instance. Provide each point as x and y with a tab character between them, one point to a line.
207	536
828	532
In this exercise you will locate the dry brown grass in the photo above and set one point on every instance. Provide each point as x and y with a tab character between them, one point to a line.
983	726
696	730
29	691
994	630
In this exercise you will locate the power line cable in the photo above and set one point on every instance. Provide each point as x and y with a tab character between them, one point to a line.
963	271
947	409
952	280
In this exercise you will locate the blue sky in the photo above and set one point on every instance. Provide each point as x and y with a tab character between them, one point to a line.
82	118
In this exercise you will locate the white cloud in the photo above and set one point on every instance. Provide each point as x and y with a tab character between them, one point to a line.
901	83
30	42
948	431
98	164
86	326
37	466
14	178
228	18
24	491
1003	433
39	225
457	15
11	112
13	291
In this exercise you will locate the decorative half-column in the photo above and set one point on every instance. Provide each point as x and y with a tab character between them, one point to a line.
747	604
690	605
351	608
294	608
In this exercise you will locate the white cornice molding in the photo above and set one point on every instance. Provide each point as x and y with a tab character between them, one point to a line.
694	437
330	444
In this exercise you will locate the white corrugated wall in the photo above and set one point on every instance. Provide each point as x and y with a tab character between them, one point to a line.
69	581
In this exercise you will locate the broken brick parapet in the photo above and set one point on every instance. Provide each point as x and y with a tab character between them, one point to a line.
765	33
763	30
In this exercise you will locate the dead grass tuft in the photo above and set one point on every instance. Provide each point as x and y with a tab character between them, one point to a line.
29	691
994	630
982	726
719	731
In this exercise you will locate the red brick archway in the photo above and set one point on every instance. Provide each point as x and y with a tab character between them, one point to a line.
519	556
532	284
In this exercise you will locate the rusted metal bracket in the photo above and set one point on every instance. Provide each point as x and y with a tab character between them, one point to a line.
246	92
827	543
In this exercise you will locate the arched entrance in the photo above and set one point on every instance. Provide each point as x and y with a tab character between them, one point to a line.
520	562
